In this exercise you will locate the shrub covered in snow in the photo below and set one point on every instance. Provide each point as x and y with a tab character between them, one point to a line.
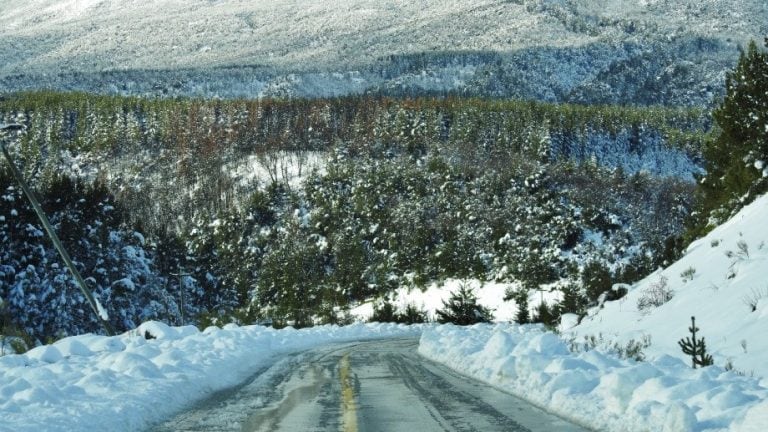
655	295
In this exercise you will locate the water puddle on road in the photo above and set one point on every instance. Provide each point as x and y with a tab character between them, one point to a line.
268	418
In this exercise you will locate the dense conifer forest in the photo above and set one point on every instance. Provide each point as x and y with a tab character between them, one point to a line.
294	210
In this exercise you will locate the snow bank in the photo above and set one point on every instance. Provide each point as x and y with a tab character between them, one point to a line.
598	390
127	382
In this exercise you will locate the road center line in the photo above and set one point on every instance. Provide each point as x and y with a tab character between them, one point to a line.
348	408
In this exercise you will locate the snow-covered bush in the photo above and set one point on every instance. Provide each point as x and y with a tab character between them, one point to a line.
632	349
688	274
754	298
41	298
655	295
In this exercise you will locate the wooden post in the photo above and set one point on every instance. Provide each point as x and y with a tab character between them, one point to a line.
181	275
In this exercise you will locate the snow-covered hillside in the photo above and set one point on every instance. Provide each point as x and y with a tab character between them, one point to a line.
304	35
532	48
720	280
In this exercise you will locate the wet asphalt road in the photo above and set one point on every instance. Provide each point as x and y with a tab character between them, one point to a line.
365	386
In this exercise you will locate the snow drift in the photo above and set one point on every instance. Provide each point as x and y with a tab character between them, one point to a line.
596	389
128	382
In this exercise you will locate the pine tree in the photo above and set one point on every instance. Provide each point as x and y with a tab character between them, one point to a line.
737	158
462	309
573	301
597	279
696	348
384	312
546	315
520	297
412	315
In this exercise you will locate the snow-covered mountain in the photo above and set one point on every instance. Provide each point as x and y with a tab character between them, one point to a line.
647	51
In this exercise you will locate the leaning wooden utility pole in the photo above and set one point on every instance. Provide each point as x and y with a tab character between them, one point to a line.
52	234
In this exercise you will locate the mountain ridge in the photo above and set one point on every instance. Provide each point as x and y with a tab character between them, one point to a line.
303	48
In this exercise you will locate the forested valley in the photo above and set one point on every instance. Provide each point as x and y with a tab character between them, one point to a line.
290	212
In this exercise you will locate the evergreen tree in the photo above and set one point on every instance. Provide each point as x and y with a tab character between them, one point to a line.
520	297
412	315
573	301
696	348
115	260
546	315
522	316
384	312
291	279
737	159
462	309
597	279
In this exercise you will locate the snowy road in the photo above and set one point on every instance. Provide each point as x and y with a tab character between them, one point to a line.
366	386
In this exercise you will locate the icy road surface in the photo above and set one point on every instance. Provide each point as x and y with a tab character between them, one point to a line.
366	386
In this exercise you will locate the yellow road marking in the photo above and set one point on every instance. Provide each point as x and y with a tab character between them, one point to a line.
348	408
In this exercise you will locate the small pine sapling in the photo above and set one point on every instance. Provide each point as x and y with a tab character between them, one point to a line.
573	301
546	315
696	348
520	297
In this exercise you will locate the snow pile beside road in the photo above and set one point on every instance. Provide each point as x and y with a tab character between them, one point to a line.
127	382
596	389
